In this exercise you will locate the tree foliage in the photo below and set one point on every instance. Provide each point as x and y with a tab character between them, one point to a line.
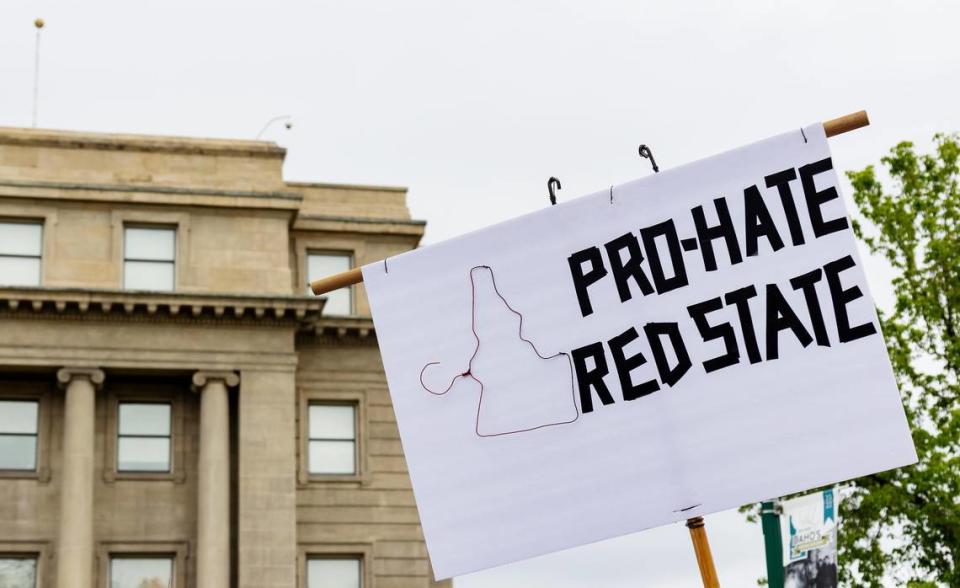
906	523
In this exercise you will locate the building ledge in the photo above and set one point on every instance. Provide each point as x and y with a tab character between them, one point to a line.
147	194
109	304
355	328
303	312
361	187
363	219
146	188
141	143
413	229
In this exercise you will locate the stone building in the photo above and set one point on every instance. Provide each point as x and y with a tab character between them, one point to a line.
175	410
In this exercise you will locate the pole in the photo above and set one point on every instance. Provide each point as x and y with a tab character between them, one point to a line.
831	127
36	70
770	519
285	117
701	547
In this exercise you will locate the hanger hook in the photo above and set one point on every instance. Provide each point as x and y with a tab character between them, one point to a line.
647	154
553	184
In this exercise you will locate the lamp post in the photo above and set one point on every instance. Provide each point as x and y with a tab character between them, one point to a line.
770	519
286	117
36	70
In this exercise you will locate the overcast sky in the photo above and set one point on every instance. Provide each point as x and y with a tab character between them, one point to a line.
474	105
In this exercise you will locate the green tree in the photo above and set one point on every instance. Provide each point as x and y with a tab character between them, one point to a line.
906	522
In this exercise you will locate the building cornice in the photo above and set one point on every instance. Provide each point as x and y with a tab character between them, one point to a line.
364	219
302	312
139	194
366	225
139	143
360	187
347	329
108	304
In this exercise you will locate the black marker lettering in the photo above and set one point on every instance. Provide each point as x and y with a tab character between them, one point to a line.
626	364
624	271
758	222
779	318
740	298
808	284
591	378
581	280
843	297
649	237
668	375
698	312
817	199
782	181
723	230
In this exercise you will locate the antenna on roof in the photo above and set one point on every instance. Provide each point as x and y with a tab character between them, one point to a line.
36	69
286	117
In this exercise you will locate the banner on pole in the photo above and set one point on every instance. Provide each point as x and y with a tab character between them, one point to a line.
637	357
808	530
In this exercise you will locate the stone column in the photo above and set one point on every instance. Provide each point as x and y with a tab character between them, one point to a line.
267	496
75	543
213	479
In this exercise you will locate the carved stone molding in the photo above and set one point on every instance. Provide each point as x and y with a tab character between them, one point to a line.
124	305
68	374
203	377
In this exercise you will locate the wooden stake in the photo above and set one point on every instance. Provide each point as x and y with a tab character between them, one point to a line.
832	128
701	547
336	281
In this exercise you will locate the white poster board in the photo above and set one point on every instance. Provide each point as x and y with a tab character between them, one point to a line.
678	345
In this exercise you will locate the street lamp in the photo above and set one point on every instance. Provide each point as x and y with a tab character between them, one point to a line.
36	69
285	117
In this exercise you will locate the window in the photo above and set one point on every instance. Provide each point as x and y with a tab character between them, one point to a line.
143	437
148	258
18	571
321	265
20	250
141	572
333	439
19	424
329	572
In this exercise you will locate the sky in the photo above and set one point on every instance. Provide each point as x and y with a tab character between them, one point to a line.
474	105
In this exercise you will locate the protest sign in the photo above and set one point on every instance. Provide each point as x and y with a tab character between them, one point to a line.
808	532
636	357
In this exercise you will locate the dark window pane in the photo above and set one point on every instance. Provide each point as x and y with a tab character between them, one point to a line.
332	421
333	573
18	452
147	572
18	416
143	454
156	276
333	457
18	572
321	265
20	271
146	243
21	239
144	419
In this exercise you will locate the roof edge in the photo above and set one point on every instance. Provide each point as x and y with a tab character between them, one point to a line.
336	186
140	143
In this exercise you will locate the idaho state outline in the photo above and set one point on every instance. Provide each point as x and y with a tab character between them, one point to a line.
523	397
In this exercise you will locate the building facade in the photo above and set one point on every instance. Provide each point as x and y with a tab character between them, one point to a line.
175	409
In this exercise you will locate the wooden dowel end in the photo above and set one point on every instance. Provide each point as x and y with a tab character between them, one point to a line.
336	281
846	123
